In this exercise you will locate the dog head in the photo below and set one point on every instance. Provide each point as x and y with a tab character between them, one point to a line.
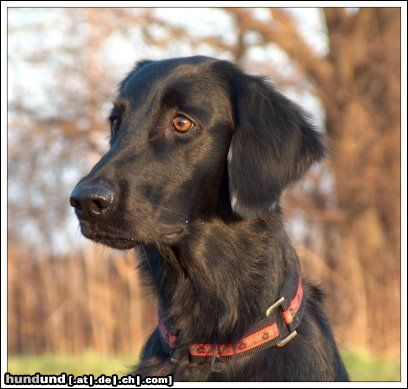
192	138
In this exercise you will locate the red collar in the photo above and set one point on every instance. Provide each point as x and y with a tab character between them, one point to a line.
276	329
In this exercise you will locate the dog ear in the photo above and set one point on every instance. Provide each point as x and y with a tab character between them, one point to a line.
273	144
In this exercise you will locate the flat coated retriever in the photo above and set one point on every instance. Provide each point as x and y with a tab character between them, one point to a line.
200	153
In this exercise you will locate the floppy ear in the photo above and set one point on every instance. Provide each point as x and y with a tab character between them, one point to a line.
273	144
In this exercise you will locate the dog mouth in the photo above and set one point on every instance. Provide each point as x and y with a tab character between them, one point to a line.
172	236
122	241
114	240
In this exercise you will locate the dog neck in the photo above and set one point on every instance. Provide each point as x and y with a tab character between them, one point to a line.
220	279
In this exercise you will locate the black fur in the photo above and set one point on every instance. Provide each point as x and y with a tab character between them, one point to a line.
203	207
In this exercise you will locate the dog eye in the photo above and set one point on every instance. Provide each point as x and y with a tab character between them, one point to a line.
182	124
114	124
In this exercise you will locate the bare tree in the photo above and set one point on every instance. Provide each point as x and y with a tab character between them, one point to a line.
353	224
358	83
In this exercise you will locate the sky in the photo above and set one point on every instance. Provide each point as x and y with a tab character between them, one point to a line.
34	84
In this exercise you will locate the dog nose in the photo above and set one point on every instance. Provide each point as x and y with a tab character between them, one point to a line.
92	201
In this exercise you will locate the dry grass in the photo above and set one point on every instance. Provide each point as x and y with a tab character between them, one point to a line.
360	366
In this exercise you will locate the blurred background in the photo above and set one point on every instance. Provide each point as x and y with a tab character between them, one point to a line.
77	307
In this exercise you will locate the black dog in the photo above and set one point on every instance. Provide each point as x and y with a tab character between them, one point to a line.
200	154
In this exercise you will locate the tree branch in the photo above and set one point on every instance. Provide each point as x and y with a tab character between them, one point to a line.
282	31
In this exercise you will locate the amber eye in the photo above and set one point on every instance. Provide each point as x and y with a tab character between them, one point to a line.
182	124
114	124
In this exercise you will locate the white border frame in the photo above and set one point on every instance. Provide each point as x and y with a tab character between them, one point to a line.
197	4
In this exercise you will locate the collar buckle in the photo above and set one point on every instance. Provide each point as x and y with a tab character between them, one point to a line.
283	342
274	306
278	304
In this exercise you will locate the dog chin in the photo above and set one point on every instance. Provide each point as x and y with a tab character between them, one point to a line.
116	243
110	240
